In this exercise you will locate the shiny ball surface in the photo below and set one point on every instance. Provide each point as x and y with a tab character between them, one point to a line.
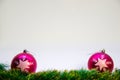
101	62
25	62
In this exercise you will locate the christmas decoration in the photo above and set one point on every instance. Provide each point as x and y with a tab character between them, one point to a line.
101	62
25	62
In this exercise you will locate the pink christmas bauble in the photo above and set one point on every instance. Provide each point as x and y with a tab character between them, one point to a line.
101	62
25	62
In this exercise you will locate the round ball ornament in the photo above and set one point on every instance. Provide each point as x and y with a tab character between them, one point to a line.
25	62
101	62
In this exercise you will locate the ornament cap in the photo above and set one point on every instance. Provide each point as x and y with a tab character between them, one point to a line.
103	50
25	51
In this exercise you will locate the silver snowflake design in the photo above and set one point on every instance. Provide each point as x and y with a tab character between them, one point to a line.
24	65
101	63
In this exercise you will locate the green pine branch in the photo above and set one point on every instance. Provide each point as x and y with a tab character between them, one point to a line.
81	74
3	66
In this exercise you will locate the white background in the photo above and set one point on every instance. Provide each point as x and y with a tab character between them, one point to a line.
60	34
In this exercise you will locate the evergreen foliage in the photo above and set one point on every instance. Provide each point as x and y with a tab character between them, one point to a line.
81	74
3	66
